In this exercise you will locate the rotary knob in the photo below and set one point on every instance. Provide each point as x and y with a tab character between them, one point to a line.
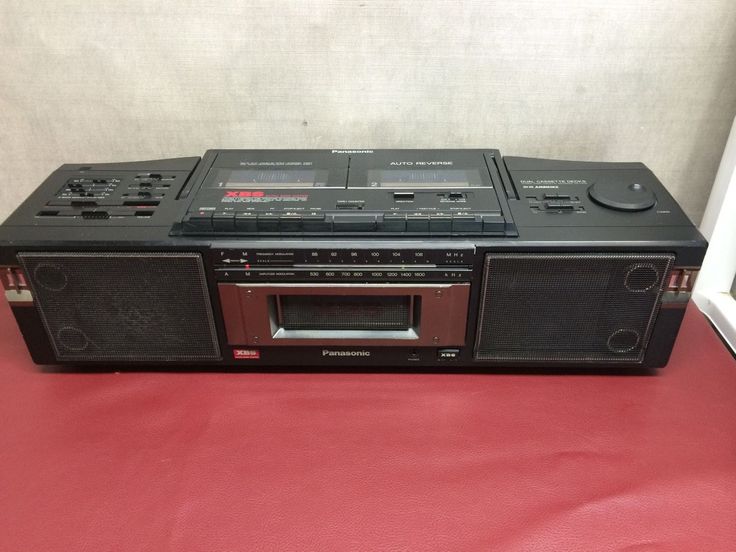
622	197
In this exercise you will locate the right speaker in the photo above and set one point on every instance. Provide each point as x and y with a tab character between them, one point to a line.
569	306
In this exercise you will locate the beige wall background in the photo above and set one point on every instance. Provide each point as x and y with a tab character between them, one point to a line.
622	80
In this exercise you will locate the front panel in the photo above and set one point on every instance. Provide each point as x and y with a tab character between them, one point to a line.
385	258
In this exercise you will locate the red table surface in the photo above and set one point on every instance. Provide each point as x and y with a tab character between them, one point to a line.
224	462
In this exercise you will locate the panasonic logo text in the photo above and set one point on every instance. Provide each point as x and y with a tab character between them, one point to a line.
329	353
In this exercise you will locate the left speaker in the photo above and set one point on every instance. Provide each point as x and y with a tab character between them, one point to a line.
115	306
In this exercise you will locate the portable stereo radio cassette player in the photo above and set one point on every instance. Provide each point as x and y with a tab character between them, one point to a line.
316	258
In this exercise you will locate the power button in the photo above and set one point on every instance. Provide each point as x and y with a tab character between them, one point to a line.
448	354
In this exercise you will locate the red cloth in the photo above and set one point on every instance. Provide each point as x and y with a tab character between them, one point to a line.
224	462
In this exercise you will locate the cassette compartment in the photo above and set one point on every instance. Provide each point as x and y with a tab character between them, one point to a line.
345	314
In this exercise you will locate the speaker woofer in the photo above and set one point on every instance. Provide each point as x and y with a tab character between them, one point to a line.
569	307
623	340
147	307
50	277
641	277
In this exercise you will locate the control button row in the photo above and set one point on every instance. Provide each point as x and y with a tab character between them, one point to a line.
228	221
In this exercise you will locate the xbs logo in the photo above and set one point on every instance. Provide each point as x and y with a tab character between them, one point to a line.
244	194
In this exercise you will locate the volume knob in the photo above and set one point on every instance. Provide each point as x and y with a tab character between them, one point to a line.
622	197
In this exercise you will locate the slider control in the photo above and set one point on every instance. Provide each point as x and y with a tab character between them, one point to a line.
559	206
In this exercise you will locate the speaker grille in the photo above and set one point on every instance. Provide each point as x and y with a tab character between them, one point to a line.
345	312
569	307
123	306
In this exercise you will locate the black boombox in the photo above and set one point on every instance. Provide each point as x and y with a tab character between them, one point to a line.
374	258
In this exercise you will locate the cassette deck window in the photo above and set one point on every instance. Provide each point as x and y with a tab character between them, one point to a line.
423	178
270	178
